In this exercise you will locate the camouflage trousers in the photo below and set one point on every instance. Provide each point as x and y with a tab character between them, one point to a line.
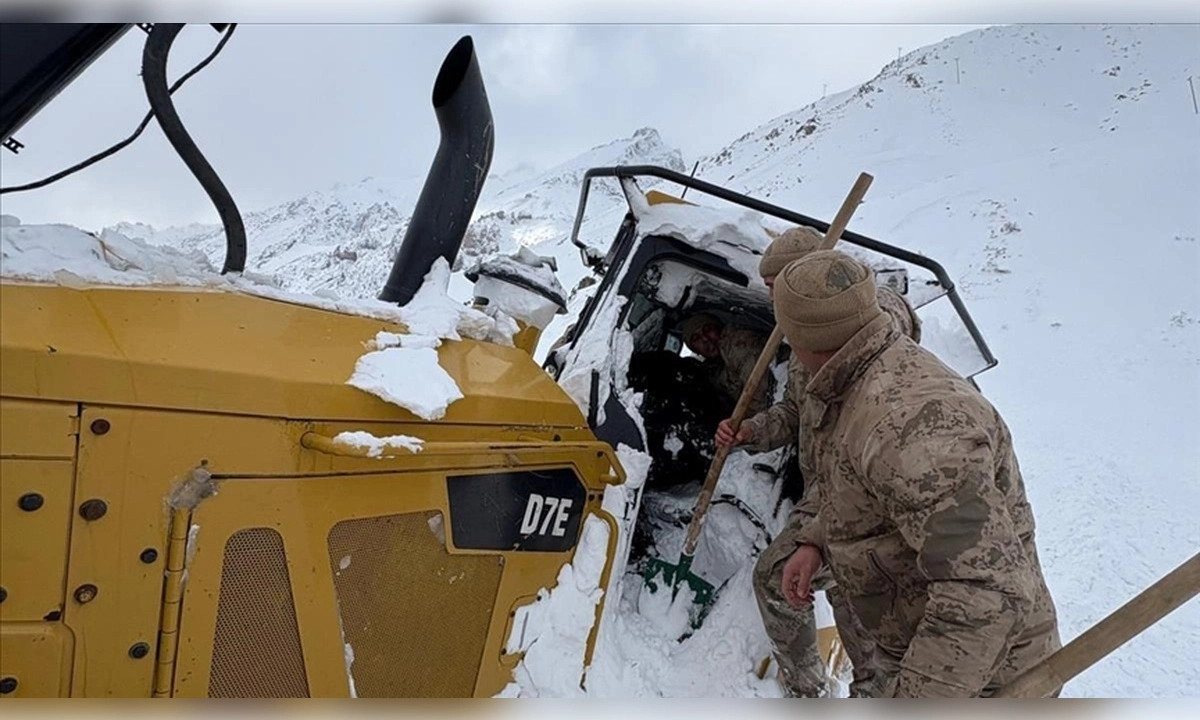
793	632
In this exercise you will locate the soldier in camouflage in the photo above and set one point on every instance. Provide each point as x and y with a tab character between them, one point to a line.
793	631
922	515
731	353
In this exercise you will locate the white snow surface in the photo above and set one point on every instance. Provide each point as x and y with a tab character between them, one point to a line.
71	257
735	233
552	632
1054	176
408	377
432	313
348	652
376	447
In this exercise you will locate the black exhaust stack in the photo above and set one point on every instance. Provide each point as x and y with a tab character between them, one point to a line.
464	155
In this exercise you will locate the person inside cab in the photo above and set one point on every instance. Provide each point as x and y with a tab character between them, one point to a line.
729	353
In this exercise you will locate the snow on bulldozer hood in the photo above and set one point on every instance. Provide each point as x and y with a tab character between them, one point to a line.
70	257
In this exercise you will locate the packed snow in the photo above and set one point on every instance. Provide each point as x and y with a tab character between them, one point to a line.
377	447
553	631
740	231
408	377
431	313
1052	169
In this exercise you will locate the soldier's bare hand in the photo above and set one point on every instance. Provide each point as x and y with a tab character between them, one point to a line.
726	437
798	573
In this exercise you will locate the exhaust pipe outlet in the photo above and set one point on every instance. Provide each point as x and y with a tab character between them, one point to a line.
455	179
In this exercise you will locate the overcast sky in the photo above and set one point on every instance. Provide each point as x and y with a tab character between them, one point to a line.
288	109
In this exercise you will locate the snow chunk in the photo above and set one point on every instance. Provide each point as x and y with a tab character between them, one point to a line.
672	444
377	446
348	653
432	312
190	548
45	252
408	377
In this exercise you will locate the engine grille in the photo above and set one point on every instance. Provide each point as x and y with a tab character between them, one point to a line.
256	646
415	616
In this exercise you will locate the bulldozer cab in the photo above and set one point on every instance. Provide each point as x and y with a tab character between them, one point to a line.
671	259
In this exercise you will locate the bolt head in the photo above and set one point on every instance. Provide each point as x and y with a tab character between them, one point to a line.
3	594
100	426
30	502
93	509
139	651
149	555
86	593
8	685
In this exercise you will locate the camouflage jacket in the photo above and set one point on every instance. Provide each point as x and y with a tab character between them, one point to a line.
740	348
779	424
923	519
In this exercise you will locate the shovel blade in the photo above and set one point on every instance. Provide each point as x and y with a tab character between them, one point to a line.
661	573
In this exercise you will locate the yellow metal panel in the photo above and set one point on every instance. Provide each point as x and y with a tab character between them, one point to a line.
133	484
33	544
37	429
38	657
304	510
655	197
228	352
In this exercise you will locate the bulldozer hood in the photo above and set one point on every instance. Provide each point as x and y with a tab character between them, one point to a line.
112	320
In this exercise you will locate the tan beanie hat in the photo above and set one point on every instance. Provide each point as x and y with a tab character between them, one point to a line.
793	244
823	299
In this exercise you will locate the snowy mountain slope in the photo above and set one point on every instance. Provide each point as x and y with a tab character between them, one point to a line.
1053	170
342	240
1058	184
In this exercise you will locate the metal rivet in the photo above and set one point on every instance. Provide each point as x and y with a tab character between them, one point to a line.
100	426
30	502
139	651
86	593
8	685
149	555
93	509
3	594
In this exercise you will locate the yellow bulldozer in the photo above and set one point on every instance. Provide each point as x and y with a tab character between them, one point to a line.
177	518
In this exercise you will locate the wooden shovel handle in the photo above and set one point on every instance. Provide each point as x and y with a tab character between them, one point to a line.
1097	642
849	205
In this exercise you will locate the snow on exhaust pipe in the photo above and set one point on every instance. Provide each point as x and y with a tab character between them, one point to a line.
452	187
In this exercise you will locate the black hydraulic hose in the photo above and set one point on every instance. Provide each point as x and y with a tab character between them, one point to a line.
154	77
114	149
